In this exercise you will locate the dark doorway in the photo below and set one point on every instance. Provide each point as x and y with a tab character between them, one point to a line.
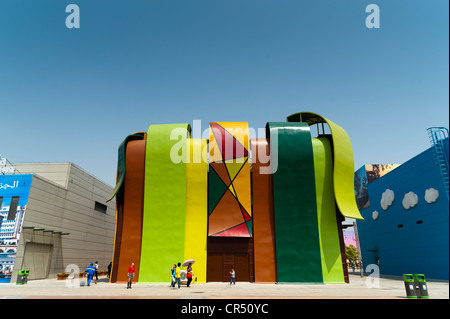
226	253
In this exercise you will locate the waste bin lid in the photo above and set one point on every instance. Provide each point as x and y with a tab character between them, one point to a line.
24	272
419	277
408	278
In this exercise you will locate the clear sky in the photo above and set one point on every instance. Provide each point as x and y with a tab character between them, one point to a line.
72	95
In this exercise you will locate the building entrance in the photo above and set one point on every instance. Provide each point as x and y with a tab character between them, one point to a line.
37	260
226	253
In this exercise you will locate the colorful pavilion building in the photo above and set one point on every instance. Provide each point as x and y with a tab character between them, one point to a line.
274	216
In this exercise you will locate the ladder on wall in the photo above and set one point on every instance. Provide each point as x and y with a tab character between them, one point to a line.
437	136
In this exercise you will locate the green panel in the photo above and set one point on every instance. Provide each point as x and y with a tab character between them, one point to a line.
295	209
216	189
249	227
344	170
163	227
330	251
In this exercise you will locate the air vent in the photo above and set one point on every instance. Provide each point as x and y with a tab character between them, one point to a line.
100	207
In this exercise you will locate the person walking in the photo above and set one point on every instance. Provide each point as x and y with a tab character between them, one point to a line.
90	271
233	276
178	275
172	275
189	274
109	269
130	275
96	271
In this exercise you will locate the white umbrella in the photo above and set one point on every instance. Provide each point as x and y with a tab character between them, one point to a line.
187	262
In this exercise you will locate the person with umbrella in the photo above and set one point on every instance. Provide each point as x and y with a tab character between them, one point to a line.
189	273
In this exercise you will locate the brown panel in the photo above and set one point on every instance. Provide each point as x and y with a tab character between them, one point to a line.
227	214
221	171
130	244
215	267
263	218
241	266
118	238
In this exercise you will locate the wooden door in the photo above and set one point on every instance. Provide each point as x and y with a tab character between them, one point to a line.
241	266
215	267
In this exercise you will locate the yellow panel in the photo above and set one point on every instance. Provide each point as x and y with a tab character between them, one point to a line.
231	188
214	150
239	130
233	168
196	225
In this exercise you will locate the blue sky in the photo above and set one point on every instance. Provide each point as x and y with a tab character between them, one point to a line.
75	94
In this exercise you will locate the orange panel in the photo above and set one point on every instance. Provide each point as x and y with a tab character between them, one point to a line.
227	214
263	218
130	244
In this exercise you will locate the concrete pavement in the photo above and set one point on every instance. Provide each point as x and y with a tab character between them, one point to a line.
358	288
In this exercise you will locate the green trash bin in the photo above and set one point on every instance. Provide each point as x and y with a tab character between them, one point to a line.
421	284
410	288
22	277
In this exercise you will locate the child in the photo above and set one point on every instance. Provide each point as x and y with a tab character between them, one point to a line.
131	270
233	276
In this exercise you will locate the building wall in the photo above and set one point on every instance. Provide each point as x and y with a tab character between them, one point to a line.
84	234
54	172
414	240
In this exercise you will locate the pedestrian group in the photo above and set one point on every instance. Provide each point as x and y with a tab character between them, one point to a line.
175	274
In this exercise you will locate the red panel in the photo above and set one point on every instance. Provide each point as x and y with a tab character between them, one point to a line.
229	146
238	231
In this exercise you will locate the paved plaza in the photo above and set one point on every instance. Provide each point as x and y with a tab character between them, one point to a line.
358	288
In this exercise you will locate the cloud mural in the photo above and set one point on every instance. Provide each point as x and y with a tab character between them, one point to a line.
410	200
431	195
375	215
387	198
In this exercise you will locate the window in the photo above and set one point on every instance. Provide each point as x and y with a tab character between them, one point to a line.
13	208
100	207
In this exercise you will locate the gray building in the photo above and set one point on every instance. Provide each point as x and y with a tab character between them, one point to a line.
66	220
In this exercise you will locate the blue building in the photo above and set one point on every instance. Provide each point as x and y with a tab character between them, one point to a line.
406	220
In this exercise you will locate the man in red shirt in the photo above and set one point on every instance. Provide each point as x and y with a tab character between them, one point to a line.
130	275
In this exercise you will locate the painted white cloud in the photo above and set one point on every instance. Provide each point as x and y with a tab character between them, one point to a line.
431	195
375	215
387	198
410	200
